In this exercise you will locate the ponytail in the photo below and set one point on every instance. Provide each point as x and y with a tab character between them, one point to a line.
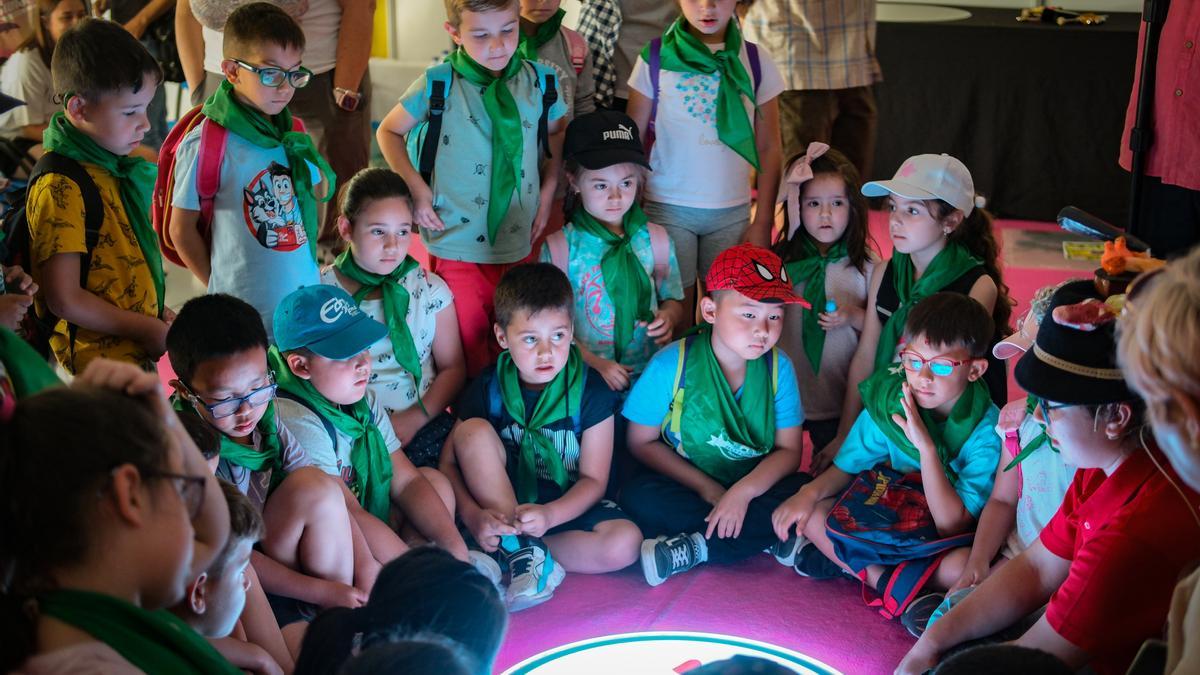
976	235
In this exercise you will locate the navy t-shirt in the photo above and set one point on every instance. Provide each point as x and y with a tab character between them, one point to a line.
597	404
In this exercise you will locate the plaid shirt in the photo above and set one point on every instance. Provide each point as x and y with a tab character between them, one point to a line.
818	44
600	24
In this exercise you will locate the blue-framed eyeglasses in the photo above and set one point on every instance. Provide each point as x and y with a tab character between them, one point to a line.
275	77
229	406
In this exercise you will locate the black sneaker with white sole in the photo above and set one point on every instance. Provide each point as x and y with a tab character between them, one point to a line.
785	551
665	557
811	563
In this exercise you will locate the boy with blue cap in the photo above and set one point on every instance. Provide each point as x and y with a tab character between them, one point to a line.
322	364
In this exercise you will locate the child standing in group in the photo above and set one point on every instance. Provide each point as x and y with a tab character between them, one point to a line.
129	517
709	99
322	364
932	416
530	456
484	200
622	268
105	287
717	419
943	241
264	214
418	366
828	260
544	39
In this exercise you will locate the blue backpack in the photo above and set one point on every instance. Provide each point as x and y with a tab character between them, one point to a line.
438	81
883	519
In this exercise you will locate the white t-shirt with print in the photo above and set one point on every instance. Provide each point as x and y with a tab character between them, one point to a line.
26	77
691	166
393	386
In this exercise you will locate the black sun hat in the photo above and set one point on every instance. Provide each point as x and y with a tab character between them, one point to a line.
1073	362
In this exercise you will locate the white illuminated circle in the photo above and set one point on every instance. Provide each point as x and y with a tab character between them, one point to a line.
665	653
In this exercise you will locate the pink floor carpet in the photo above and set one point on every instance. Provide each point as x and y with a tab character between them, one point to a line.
758	599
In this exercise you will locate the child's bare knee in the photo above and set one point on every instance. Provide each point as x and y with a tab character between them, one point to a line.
623	543
441	485
476	437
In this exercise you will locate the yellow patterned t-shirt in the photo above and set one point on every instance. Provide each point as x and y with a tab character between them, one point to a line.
118	273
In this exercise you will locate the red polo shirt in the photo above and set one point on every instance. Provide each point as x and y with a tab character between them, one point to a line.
1128	537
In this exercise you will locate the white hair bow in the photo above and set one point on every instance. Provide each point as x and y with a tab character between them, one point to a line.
799	173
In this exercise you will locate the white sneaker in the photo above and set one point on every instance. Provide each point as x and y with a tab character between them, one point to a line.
488	567
534	576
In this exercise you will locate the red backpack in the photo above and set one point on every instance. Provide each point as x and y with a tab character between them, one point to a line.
208	177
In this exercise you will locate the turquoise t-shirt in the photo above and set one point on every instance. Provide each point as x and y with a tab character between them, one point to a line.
594	313
866	447
462	172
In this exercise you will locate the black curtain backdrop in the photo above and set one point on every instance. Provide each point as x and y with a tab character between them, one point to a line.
1035	111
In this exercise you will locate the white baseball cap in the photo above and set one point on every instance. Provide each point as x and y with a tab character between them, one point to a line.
929	177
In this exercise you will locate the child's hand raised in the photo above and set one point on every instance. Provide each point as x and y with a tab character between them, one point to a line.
795	511
532	519
662	328
423	212
725	519
911	423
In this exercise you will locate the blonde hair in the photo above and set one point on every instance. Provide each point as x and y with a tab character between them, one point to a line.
1159	340
455	8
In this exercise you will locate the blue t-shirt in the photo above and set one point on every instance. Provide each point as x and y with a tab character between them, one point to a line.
866	447
649	402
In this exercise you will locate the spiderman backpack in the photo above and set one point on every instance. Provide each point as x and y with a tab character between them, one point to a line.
883	519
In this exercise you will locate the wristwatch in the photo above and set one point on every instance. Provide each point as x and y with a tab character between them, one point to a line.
346	99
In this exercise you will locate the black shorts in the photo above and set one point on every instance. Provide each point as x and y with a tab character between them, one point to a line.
600	512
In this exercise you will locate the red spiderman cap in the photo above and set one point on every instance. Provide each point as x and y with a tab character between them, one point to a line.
755	272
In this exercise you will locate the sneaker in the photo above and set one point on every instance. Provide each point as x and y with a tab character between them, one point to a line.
665	557
533	575
811	563
916	616
785	551
488	567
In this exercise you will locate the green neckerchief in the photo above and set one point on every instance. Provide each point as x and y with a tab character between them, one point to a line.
1036	442
154	642
881	395
810	268
395	309
368	453
723	435
136	177
529	45
625	280
508	136
682	52
224	108
27	370
556	401
949	264
269	456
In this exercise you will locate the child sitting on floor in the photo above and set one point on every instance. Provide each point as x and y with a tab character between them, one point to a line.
530	456
717	417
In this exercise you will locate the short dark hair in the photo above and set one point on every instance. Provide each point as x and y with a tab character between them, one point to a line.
97	57
534	287
257	23
952	319
245	522
369	185
211	327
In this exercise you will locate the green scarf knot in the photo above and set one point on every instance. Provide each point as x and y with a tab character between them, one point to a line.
950	263
625	279
508	136
683	52
881	395
395	306
224	108
529	45
556	401
810	269
136	178
1037	441
154	642
368	453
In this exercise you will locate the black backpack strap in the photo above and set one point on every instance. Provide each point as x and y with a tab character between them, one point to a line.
549	98
93	214
433	132
328	425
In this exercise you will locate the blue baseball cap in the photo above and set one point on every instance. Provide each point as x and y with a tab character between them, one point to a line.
325	320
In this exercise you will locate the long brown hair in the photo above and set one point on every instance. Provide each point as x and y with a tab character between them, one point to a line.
976	234
859	245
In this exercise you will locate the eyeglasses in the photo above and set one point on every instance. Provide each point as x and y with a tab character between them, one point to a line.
190	489
275	77
938	365
229	406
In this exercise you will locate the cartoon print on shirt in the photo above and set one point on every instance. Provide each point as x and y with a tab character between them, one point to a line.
272	211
